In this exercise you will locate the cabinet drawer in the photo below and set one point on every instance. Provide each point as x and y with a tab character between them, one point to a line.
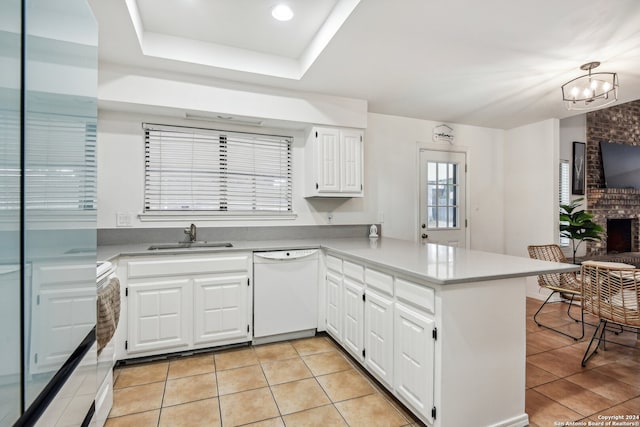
355	271
171	267
415	294
380	281
334	263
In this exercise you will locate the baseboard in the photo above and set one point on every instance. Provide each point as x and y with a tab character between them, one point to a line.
519	421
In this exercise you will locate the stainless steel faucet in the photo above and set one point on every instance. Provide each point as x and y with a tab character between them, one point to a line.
191	231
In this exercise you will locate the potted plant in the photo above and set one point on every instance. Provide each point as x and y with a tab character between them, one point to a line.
578	225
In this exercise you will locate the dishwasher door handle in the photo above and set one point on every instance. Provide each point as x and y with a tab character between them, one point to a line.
285	255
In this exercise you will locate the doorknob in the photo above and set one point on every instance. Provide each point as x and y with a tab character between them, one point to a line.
424	225
424	235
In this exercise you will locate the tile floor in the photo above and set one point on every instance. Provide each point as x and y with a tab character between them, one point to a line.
306	382
560	390
310	382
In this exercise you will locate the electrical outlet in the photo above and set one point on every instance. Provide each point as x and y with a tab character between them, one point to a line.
380	217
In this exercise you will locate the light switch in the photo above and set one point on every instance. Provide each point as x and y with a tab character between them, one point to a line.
124	219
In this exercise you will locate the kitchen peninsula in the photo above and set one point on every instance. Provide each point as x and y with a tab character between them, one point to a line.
442	328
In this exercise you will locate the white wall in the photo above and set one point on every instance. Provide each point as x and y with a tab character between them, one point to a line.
121	178
573	129
390	178
392	170
531	159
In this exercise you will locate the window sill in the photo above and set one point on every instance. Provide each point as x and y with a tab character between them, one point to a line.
214	216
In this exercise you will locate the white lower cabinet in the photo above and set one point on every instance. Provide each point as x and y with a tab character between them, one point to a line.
334	304
183	302
353	317
379	336
159	315
414	359
387	323
220	308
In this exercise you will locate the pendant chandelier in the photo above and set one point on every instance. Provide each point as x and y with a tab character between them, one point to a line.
590	91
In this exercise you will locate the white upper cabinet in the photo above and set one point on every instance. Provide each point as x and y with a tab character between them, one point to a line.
334	163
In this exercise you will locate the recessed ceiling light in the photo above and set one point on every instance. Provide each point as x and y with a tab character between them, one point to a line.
282	12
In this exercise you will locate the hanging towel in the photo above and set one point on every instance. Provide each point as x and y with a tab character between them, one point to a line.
108	310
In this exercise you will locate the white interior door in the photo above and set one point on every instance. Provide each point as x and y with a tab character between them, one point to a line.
442	197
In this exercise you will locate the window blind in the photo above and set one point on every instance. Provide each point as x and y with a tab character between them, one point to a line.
563	191
60	163
193	169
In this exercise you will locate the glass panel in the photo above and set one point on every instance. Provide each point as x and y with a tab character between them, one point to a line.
431	173
442	195
60	186
10	343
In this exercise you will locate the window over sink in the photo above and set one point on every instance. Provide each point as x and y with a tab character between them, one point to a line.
216	172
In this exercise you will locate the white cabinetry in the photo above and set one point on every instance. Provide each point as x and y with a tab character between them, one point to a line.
182	302
388	324
334	163
63	312
334	297
159	314
414	334
378	325
353	315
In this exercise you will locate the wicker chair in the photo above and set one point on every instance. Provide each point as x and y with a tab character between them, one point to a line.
613	295
565	284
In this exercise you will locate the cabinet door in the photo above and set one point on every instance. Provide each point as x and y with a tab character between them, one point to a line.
159	315
414	364
351	161
353	317
378	336
328	160
221	308
334	305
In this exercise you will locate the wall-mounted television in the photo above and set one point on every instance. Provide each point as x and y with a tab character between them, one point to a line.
621	164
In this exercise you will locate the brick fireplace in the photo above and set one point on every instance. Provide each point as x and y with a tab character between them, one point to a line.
621	124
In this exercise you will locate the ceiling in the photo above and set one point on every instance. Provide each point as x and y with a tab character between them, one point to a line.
495	63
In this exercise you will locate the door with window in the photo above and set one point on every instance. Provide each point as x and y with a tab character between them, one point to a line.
442	197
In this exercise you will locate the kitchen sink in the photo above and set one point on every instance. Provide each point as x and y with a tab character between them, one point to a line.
188	245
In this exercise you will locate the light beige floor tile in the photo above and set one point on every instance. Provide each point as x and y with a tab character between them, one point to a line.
313	345
235	358
139	398
299	395
345	385
189	389
141	374
272	422
248	407
191	365
327	363
317	417
370	411
282	371
203	413
141	419
241	379
278	351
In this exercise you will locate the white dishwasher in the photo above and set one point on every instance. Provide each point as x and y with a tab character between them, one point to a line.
285	303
